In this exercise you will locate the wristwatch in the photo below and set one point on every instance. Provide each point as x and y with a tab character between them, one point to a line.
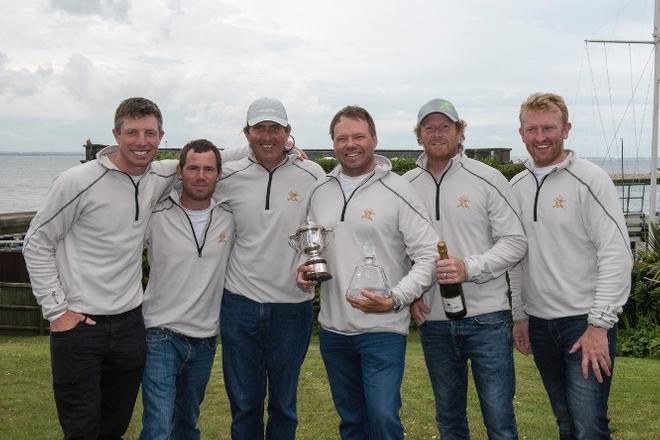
398	302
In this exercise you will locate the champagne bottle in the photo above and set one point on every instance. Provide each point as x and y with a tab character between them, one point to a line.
453	300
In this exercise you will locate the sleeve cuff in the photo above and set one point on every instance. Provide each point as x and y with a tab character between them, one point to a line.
604	318
469	269
520	315
599	323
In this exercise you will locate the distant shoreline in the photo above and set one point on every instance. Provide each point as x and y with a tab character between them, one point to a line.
82	153
42	153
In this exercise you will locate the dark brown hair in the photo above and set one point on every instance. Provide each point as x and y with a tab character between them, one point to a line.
200	146
353	112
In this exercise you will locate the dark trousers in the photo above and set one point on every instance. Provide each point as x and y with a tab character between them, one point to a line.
96	375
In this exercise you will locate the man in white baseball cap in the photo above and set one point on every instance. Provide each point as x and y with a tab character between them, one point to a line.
266	320
267	109
474	212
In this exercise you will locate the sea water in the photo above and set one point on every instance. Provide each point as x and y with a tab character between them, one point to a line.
25	178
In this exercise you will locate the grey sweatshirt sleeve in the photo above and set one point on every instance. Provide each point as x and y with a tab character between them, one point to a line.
606	225
515	282
510	244
420	240
44	235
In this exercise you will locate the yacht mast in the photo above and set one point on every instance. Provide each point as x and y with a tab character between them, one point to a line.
656	99
656	92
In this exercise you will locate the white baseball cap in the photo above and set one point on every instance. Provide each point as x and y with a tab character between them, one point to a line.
438	106
267	109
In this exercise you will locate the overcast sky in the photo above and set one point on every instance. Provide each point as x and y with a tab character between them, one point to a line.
66	64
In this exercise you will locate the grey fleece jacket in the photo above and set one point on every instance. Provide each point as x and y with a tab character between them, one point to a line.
83	249
267	208
386	211
475	213
187	273
579	257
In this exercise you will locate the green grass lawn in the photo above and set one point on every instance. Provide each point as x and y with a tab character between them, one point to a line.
27	409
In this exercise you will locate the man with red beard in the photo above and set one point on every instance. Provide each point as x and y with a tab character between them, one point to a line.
474	212
575	278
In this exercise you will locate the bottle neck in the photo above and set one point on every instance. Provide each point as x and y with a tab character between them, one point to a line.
442	250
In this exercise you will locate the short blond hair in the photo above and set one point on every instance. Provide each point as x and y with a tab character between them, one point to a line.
543	102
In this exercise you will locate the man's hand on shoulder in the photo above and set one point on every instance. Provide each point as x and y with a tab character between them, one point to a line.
298	150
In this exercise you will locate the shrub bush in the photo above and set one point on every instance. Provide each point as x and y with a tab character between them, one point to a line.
401	165
640	341
161	155
327	163
640	320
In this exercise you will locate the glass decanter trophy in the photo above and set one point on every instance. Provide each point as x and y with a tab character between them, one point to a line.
368	275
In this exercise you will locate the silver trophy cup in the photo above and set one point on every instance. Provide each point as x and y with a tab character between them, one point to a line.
312	239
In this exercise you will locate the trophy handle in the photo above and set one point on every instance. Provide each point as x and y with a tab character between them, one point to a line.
294	243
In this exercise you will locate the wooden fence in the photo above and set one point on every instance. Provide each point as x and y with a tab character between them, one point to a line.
19	311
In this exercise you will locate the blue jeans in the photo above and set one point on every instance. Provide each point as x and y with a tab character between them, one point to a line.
263	345
579	405
365	373
176	373
486	341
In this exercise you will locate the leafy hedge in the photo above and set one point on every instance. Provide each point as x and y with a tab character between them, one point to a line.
640	321
401	165
161	155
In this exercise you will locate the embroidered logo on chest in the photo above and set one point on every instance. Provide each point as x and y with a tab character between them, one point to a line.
293	197
463	202
559	202
368	214
222	238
